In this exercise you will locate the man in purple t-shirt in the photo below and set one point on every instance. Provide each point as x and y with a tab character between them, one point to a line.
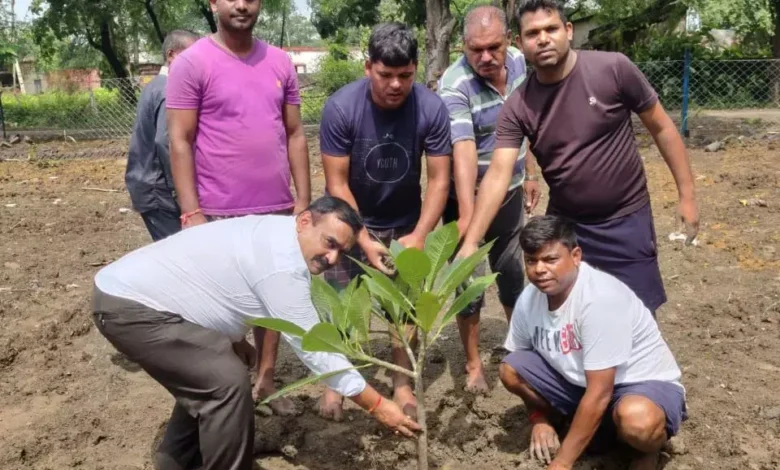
575	109
372	137
236	137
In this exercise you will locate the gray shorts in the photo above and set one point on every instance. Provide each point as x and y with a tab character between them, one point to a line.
565	397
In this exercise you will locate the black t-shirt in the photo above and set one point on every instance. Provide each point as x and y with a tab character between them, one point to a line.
385	149
582	137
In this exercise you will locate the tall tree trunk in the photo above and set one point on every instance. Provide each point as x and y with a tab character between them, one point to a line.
107	48
203	7
439	24
511	16
118	64
284	23
155	22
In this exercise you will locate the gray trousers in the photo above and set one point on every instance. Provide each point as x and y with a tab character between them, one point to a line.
212	424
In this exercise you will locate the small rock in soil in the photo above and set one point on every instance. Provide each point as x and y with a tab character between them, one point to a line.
263	410
11	265
771	413
676	446
289	451
714	147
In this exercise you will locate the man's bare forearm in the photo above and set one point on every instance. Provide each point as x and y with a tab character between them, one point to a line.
465	172
492	191
586	421
435	199
183	169
672	149
298	154
530	163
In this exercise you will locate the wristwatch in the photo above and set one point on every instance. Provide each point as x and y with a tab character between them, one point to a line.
532	177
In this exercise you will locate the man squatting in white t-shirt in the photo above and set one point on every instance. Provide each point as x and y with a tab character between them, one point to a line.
585	349
179	308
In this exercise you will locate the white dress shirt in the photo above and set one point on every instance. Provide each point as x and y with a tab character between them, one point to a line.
221	274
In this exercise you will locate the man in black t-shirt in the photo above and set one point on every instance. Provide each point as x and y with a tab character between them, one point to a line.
575	109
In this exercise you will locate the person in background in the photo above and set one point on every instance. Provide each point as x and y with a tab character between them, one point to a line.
575	108
237	138
148	174
474	88
585	349
372	138
181	312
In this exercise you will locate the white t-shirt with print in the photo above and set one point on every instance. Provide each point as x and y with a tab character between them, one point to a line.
602	324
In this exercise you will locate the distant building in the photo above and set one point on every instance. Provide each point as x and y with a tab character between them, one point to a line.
582	28
307	59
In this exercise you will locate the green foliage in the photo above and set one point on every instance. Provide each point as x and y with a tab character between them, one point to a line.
424	284
334	74
79	110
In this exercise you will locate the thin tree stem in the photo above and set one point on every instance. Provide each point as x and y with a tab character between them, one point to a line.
419	391
386	365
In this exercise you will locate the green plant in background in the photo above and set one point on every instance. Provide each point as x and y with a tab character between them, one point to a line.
421	291
78	110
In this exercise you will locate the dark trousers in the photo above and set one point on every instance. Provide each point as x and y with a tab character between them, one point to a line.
212	423
161	223
506	256
625	247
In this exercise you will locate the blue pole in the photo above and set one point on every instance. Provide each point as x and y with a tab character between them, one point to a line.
685	92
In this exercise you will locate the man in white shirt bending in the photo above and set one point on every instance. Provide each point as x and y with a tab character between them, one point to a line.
584	348
179	308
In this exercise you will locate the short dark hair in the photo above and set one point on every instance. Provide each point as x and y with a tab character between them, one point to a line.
334	205
531	6
544	229
393	44
178	40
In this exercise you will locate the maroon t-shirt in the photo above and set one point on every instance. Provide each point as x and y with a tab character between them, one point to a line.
581	134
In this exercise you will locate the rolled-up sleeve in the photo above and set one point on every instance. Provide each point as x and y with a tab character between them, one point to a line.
459	109
287	296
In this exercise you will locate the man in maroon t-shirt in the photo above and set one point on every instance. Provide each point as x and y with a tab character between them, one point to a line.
575	109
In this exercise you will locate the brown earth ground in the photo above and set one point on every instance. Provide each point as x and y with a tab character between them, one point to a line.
67	400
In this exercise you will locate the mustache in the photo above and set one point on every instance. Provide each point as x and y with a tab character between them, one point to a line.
322	261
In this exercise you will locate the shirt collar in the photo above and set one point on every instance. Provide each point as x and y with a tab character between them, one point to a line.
164	70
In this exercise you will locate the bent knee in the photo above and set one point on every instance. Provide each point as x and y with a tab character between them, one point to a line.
509	375
639	419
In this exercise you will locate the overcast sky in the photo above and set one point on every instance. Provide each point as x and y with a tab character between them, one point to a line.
23	8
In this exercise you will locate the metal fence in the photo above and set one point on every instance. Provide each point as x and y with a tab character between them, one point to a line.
705	98
83	109
719	97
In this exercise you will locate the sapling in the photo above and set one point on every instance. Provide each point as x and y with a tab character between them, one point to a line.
421	291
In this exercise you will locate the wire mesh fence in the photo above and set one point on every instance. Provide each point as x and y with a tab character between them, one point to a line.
86	109
717	97
705	97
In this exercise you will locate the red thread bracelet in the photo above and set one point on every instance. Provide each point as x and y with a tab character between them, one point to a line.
184	217
376	405
535	417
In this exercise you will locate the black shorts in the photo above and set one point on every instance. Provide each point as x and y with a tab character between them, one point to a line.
506	256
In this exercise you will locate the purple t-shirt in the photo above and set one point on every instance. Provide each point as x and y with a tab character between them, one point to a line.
241	164
385	149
